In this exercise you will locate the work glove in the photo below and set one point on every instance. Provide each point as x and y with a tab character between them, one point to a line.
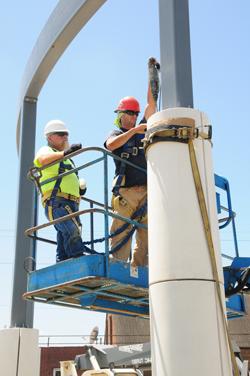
72	148
153	74
82	187
152	62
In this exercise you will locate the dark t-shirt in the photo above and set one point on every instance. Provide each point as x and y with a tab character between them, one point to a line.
133	176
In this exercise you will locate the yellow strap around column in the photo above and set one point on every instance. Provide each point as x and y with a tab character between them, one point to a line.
207	228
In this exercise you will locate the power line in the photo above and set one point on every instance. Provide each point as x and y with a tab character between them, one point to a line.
239	240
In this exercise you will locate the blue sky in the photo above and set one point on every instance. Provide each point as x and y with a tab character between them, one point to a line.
106	61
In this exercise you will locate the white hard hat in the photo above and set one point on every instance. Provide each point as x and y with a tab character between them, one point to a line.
55	126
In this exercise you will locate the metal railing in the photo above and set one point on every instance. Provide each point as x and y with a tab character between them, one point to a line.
94	206
69	339
105	209
223	184
85	339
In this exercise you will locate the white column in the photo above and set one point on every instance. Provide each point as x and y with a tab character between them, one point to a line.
19	352
187	332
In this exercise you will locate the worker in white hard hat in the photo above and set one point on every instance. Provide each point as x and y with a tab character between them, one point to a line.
62	196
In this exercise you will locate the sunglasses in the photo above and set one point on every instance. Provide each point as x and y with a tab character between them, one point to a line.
131	113
61	133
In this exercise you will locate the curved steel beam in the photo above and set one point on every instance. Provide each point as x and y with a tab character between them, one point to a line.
64	23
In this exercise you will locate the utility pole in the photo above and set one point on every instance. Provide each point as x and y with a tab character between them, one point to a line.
176	72
22	311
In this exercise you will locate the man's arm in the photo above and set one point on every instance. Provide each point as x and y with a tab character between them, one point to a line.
115	142
150	108
153	87
45	156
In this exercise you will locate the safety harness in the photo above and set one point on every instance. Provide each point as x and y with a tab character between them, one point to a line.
63	167
130	149
186	134
137	215
49	201
35	174
49	197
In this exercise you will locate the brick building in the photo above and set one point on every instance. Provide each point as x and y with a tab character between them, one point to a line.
51	357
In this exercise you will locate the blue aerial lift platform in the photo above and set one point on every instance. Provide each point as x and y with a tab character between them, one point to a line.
83	282
101	283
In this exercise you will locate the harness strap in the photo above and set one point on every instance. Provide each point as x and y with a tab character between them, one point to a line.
207	228
50	213
55	192
70	211
134	151
67	196
61	170
119	179
137	215
34	175
123	241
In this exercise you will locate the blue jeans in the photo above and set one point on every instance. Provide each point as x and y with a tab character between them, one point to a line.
69	241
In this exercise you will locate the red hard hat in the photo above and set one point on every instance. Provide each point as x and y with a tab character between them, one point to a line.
128	103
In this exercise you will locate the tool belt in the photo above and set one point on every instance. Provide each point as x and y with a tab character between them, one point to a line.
67	196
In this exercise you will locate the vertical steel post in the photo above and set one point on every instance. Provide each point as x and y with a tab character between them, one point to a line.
92	226
176	73
22	311
34	247
106	218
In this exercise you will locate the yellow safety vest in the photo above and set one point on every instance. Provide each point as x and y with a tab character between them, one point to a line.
69	184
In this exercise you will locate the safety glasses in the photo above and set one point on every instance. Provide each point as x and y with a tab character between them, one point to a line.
131	113
61	133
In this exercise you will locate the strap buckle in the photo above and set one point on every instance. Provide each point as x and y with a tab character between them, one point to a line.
122	201
35	173
135	151
185	133
125	155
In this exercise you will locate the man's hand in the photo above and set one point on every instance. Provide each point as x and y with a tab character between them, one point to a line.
152	62
116	142
141	128
82	187
72	148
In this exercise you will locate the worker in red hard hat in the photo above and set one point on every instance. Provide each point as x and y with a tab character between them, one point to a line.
130	184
